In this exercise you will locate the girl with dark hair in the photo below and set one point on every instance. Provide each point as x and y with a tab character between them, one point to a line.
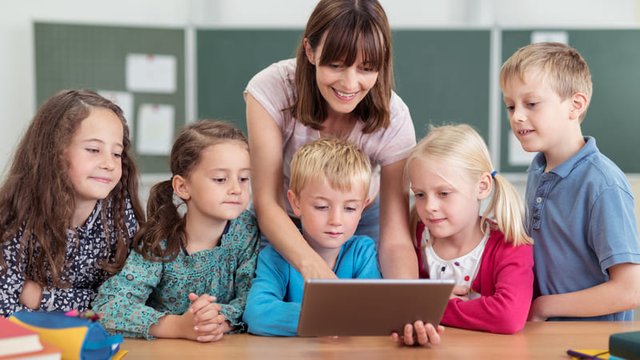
190	274
69	205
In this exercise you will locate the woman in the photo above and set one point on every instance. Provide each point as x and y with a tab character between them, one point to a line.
339	85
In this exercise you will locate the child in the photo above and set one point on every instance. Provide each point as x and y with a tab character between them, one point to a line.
328	191
488	256
188	277
339	85
579	203
69	205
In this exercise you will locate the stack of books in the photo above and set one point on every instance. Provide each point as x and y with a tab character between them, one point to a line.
625	345
17	342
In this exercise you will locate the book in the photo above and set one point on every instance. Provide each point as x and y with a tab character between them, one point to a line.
578	354
15	339
625	345
48	352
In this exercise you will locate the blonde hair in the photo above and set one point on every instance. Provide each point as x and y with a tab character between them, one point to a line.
339	161
462	147
563	66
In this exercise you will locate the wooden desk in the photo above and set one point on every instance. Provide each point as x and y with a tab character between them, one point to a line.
537	341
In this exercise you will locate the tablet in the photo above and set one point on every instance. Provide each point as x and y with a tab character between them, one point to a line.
359	307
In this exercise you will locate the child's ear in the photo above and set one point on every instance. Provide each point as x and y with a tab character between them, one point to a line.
579	103
485	186
309	52
367	201
180	187
295	203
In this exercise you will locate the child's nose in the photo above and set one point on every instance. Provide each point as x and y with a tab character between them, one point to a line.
518	114
335	217
234	187
108	162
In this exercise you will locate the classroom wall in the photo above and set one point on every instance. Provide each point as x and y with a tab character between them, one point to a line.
17	92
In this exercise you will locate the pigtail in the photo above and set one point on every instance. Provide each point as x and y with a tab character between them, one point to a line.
163	222
508	212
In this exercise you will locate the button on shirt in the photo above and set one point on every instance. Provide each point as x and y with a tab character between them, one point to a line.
581	217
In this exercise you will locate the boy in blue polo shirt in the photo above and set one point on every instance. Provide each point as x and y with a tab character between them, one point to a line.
579	203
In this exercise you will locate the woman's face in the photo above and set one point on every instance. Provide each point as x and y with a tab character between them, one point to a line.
342	86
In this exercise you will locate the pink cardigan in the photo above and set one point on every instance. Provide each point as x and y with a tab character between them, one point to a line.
504	282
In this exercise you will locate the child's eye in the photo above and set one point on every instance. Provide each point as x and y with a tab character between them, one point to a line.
444	193
510	108
118	155
244	179
419	195
350	208
335	65
92	150
321	207
531	104
220	180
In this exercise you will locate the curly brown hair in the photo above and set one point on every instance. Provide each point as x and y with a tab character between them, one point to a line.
37	196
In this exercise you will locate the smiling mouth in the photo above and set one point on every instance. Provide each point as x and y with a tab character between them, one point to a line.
101	180
524	132
344	96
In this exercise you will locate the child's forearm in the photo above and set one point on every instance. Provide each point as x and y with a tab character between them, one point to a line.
620	293
171	327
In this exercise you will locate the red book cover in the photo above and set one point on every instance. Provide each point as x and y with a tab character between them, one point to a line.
15	339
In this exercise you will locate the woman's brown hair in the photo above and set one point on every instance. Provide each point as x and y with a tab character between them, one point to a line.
348	28
164	222
37	197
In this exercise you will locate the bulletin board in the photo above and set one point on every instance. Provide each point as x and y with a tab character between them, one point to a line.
94	57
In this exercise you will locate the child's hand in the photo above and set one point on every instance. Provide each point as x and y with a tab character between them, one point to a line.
419	333
208	323
31	295
460	292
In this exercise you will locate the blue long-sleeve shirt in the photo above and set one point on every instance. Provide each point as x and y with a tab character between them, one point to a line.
273	305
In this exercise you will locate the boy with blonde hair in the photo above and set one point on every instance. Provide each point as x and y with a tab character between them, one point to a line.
328	191
579	205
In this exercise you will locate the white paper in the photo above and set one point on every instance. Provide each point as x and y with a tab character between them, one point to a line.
550	36
151	73
125	101
517	155
155	129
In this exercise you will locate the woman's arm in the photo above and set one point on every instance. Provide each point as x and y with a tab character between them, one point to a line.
397	254
265	142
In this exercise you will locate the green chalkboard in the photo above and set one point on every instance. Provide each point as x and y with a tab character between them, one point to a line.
613	117
442	75
84	56
228	59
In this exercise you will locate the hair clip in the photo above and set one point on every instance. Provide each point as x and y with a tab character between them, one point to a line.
89	314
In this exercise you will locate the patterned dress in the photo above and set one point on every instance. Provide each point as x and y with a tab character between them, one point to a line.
145	290
86	247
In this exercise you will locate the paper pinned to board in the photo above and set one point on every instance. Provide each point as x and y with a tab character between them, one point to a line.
517	155
550	36
125	101
151	73
155	129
